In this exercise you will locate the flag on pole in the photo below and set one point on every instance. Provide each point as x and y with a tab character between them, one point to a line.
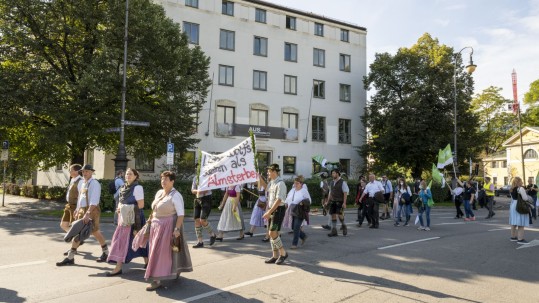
441	159
320	160
448	155
437	176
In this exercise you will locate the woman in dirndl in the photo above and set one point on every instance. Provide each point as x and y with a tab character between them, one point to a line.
258	211
517	220
167	258
231	218
130	220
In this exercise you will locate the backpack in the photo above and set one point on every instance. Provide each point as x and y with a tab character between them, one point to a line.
112	186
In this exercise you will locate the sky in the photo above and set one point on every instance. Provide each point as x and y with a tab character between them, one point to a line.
504	34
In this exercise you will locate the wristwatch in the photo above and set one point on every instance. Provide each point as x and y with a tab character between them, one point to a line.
176	229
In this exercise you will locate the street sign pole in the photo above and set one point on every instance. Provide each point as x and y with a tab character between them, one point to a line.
5	153
170	154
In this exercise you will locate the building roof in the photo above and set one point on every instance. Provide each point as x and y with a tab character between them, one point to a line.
516	136
307	14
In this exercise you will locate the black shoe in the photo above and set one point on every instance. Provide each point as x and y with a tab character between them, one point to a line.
212	240
396	224
219	239
250	234
102	258
198	245
270	260
240	238
281	259
67	252
265	240
326	227
112	274
344	230
66	261
333	233
493	213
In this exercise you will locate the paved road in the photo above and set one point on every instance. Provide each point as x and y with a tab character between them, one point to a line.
455	262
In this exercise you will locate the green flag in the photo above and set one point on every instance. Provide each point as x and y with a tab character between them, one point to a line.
437	176
448	155
441	159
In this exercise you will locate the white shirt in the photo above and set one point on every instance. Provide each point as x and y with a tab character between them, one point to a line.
296	196
373	187
90	189
457	191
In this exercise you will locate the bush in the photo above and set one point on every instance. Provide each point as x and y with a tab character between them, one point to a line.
55	193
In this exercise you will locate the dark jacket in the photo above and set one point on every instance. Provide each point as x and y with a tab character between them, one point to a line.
79	231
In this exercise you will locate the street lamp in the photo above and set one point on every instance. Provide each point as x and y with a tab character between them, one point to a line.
470	68
120	162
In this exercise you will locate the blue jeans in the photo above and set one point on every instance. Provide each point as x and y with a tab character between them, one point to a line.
468	209
298	233
425	209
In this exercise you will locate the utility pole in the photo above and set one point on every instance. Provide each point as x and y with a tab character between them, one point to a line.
516	110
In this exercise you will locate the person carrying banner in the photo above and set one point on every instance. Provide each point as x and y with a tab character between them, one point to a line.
275	214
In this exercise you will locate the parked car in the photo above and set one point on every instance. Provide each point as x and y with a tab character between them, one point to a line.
503	191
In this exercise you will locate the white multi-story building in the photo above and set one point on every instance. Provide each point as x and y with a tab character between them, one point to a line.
295	78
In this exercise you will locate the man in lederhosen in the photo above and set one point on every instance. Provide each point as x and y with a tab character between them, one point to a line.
275	214
202	209
72	196
337	199
88	209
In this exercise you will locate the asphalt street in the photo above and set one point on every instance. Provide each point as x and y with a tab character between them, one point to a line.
456	261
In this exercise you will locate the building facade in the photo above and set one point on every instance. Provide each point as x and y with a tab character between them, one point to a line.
294	78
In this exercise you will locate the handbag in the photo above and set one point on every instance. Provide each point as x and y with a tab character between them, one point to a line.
418	203
523	207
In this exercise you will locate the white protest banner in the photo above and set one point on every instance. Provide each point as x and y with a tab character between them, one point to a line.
235	166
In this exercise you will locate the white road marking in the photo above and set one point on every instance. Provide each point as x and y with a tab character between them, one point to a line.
506	228
228	288
530	244
454	223
23	264
407	243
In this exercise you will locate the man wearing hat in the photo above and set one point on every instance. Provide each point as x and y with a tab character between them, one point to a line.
275	214
337	199
88	209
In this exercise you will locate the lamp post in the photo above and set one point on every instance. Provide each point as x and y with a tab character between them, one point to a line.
120	162
470	68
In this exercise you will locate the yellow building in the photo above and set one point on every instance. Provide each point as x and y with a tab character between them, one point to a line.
503	166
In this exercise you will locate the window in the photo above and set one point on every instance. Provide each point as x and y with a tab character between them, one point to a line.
290	85
289	165
344	62
319	128
260	80
345	166
290	120
494	180
191	3
319	57
344	92
260	15
89	157
225	114
291	22
530	154
143	162
228	8
504	165
226	75
226	40
191	30
345	131
59	167
345	35
505	180
494	164
319	90
290	52
319	29
259	117
260	47
263	159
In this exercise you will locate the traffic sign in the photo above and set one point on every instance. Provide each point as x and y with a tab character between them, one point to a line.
112	130
136	123
170	153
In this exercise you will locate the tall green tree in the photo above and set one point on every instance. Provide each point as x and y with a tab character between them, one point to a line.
61	69
410	116
532	96
496	125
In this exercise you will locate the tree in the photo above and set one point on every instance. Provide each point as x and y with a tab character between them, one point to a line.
532	96
496	126
61	75
410	116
